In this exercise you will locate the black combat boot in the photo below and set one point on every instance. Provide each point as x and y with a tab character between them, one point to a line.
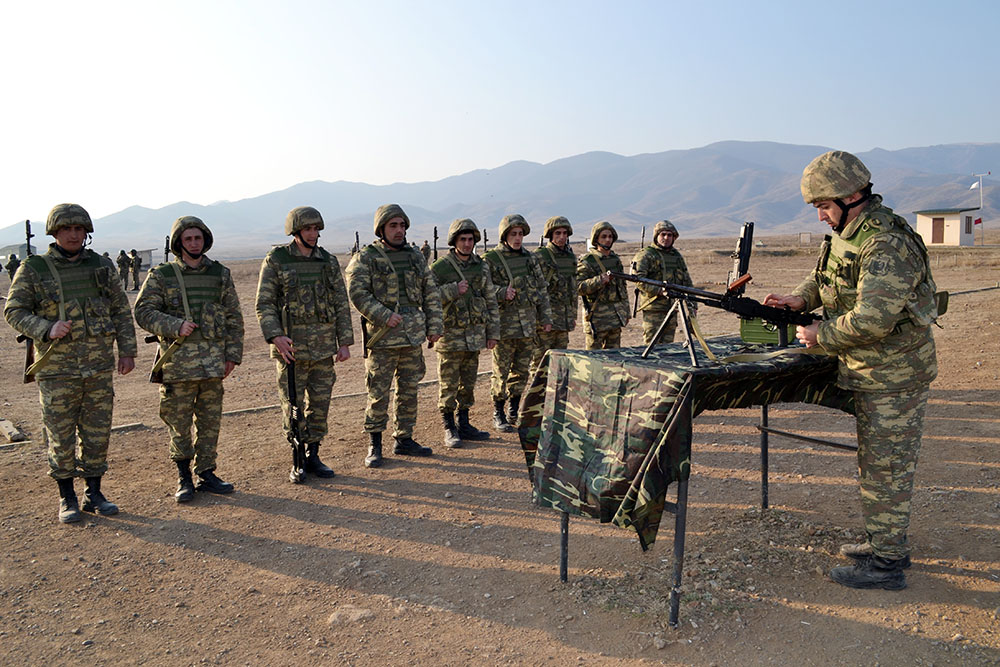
94	500
313	465
410	447
861	551
872	572
451	437
515	405
185	484
467	431
500	419
69	506
374	458
212	484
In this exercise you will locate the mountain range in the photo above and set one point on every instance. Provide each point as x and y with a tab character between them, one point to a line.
707	191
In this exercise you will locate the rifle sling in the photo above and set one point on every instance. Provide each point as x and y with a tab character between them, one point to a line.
169	352
41	361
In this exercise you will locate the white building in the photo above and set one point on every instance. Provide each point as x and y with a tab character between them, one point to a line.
947	226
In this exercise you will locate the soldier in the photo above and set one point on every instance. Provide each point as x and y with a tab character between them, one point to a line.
874	282
605	299
305	280
135	262
470	323
425	249
123	265
68	301
191	305
12	263
660	261
391	285
523	302
558	264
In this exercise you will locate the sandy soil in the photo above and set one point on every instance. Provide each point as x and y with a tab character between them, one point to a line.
446	561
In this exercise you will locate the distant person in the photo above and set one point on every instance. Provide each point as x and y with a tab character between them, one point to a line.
661	261
558	264
135	262
107	254
12	263
203	334
875	285
124	263
425	250
605	299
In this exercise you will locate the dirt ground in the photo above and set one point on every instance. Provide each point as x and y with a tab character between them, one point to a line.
445	560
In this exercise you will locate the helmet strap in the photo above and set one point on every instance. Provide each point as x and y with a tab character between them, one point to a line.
394	246
311	246
866	194
66	253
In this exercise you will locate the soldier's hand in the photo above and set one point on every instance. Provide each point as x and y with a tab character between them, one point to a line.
60	329
187	328
463	286
125	365
491	343
547	328
285	348
510	294
605	278
394	320
807	335
433	338
780	301
344	353
230	365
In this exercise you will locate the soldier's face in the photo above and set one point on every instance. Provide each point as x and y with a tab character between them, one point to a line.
310	234
829	213
464	243
560	237
71	238
193	241
515	237
665	239
605	239
394	231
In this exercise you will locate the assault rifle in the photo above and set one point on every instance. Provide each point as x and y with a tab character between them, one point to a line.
297	475
29	344
435	243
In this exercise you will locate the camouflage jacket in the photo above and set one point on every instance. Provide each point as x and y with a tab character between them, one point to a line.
559	268
135	263
605	306
124	262
874	282
471	318
397	282
666	265
11	266
215	308
530	309
313	289
94	301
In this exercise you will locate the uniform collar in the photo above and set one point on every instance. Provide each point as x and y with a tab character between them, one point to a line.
851	228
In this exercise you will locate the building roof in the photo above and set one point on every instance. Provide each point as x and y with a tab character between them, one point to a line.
945	211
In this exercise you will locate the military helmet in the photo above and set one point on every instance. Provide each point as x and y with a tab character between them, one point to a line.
133	251
12	256
300	218
65	215
462	225
186	222
387	212
554	223
511	221
833	175
664	226
600	227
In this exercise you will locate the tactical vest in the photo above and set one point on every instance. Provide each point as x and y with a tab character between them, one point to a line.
469	308
86	292
309	283
562	287
396	283
204	297
520	271
615	290
668	269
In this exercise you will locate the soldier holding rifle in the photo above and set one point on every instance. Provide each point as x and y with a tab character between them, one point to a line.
659	261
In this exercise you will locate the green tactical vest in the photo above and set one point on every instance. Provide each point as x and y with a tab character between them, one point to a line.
562	287
469	308
86	292
204	297
309	283
615	290
396	284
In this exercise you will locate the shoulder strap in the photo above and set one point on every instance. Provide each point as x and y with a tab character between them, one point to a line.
510	276
184	295
55	275
451	260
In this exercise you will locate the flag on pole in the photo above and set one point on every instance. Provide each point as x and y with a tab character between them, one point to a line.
974	185
977	221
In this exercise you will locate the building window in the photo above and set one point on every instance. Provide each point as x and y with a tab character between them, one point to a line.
968	224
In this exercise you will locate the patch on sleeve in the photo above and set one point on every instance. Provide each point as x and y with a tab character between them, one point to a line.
878	267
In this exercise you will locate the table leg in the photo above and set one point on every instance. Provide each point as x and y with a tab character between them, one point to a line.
680	527
564	548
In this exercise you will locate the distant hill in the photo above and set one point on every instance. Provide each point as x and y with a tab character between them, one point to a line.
707	191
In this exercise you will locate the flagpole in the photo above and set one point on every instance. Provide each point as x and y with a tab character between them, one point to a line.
982	233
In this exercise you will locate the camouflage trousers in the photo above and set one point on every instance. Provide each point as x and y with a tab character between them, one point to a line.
457	372
511	361
123	276
197	402
76	423
406	365
651	321
135	280
553	340
314	380
602	340
889	427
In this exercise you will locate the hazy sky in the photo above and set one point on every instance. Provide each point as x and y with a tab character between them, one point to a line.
109	104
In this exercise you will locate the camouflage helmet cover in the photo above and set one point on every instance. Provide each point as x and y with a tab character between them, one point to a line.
833	175
65	215
186	222
387	212
600	227
300	218
511	221
462	225
664	226
554	223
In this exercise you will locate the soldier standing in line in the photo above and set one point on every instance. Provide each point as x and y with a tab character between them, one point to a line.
605	299
135	262
12	263
123	265
523	301
305	280
660	261
875	285
191	305
68	301
558	264
392	287
425	249
471	322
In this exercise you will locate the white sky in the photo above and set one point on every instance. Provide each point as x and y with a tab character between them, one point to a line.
109	104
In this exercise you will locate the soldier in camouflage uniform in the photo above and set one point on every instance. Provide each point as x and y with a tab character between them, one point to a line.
123	265
558	264
304	282
391	285
425	250
68	301
135	262
605	299
874	282
191	305
12	263
523	301
660	261
471	322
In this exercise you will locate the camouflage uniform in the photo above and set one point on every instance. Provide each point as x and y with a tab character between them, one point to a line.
874	282
559	268
12	263
520	318
605	306
383	280
123	265
135	262
666	265
425	250
191	389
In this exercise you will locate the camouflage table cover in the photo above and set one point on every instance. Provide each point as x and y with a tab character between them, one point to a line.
604	432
